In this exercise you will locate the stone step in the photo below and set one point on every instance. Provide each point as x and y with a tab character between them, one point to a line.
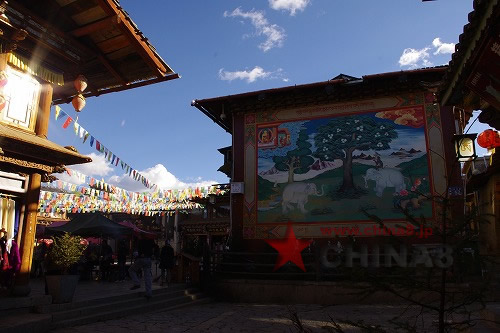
26	323
105	305
491	315
141	307
47	308
10	306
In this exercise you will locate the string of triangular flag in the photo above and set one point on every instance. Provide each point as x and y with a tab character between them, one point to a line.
84	135
107	191
58	203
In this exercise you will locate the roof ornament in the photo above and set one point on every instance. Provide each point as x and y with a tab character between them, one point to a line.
223	115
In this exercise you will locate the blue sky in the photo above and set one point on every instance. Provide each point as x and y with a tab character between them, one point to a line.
227	47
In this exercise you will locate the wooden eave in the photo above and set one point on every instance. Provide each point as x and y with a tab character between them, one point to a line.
39	153
224	150
96	38
226	169
201	221
484	21
319	93
205	226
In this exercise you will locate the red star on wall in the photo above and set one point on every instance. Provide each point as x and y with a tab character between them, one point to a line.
289	249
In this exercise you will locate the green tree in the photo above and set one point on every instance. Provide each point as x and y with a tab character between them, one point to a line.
66	251
340	137
298	160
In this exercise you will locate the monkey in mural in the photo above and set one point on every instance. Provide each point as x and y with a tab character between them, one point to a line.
378	162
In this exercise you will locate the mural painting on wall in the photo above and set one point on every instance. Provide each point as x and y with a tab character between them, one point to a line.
333	169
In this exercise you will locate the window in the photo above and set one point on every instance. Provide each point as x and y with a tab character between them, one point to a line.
21	94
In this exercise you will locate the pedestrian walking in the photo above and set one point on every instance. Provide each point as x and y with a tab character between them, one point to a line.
122	259
167	261
106	260
145	249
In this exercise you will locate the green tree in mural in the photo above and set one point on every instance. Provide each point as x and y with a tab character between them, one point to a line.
340	137
298	160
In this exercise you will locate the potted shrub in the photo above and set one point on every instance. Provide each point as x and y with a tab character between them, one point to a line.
64	253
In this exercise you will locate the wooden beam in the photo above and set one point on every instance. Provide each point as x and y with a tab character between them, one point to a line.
91	51
50	27
111	69
41	42
114	43
121	88
96	26
153	60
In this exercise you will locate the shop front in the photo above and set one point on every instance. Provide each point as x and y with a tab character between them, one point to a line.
54	52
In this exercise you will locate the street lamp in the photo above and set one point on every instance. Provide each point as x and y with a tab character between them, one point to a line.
465	147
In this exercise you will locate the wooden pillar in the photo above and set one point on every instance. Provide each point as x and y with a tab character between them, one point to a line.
164	225
43	117
238	175
32	198
176	233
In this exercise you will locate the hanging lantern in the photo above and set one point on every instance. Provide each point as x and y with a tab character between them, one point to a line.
80	83
489	139
78	102
465	147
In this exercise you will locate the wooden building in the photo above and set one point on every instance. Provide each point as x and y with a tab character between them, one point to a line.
45	46
208	226
320	155
472	82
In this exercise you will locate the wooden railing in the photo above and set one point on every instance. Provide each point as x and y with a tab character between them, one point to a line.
261	266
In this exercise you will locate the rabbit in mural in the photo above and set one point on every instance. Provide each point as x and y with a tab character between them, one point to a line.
298	193
385	178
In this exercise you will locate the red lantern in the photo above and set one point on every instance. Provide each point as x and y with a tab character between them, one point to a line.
78	102
80	83
489	139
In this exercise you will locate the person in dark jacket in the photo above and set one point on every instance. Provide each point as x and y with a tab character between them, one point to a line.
106	260
167	262
122	259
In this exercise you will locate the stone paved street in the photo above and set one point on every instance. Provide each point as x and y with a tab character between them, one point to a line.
232	318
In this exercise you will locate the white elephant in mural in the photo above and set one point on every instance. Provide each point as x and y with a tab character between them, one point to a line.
298	193
385	177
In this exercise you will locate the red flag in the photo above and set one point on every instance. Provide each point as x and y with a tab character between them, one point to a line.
67	122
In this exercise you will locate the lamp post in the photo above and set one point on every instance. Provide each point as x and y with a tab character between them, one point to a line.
465	147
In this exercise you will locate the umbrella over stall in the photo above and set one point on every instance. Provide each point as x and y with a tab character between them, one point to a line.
91	225
138	231
40	228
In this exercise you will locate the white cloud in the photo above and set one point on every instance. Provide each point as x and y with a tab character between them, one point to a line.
290	5
443	48
158	175
98	168
122	123
73	179
415	58
251	76
275	35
